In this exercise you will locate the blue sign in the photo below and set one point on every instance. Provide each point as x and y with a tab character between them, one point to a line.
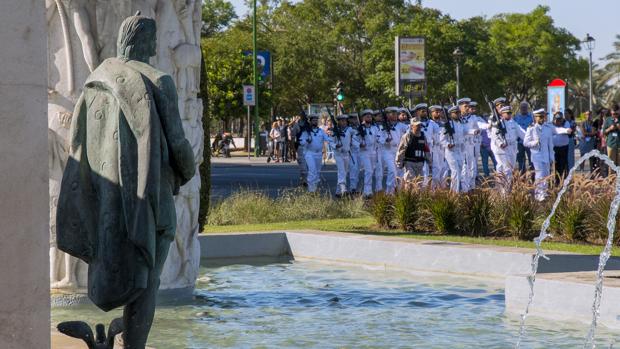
263	63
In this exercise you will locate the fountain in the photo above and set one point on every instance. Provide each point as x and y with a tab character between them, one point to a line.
611	226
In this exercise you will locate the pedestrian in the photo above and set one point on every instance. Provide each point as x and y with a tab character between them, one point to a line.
282	140
263	139
354	167
539	139
291	138
599	123
274	135
612	135
368	135
312	142
302	125
560	147
341	138
504	136
452	142
570	118
524	119
413	151
588	141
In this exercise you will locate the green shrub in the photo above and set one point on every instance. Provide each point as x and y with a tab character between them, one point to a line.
477	209
406	208
443	209
248	207
382	209
521	214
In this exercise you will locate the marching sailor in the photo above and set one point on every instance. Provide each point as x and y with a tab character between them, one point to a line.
354	166
471	130
451	140
368	135
341	138
313	141
504	137
390	139
378	122
413	151
433	132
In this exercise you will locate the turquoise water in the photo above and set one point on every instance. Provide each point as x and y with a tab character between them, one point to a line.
317	305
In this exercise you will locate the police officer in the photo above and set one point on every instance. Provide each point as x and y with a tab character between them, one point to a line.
504	144
313	141
452	141
413	151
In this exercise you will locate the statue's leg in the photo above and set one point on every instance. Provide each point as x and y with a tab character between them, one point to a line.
138	315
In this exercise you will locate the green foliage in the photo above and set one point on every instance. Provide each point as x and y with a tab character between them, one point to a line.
407	205
248	207
216	16
316	43
522	214
477	209
205	167
382	209
443	208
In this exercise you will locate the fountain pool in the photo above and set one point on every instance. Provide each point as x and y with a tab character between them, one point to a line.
309	304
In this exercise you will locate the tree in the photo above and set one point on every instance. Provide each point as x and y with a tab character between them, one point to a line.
217	15
531	51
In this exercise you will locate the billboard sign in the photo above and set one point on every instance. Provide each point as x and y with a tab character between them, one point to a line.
556	97
263	64
410	61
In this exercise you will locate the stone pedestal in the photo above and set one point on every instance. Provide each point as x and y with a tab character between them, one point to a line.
24	238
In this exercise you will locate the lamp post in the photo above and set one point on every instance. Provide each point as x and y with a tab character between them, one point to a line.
589	41
255	71
458	55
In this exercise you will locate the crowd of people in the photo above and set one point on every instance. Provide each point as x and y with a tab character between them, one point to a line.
442	145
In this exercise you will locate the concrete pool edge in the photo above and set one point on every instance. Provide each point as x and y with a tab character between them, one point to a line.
556	298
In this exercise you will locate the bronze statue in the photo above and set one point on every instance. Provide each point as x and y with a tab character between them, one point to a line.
128	157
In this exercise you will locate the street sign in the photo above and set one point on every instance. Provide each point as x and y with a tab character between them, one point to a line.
249	95
556	97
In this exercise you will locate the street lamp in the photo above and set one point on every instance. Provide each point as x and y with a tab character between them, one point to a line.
589	41
458	55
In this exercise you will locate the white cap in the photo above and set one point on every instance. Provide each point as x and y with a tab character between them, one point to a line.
463	100
540	111
506	109
453	109
342	117
367	111
392	110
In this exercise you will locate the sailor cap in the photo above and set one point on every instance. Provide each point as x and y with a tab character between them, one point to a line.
376	112
420	106
500	100
313	116
415	121
506	109
540	111
453	109
435	107
463	100
403	111
391	110
353	115
473	104
342	117
367	112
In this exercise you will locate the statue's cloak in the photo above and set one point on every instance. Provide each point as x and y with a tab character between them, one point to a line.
108	209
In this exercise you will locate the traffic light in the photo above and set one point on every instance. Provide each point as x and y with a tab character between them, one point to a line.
340	91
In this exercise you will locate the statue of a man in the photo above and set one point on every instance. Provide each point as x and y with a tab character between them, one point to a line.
127	158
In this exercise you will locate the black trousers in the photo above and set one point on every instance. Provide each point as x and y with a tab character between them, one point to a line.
561	162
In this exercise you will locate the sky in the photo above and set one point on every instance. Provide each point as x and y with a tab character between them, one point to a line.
599	18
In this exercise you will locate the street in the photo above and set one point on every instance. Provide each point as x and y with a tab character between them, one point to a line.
229	175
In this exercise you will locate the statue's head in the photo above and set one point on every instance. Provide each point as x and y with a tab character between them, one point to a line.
137	38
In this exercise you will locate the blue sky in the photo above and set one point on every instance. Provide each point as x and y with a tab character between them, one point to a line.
600	18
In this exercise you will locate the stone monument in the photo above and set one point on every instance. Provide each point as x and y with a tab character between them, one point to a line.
128	156
83	33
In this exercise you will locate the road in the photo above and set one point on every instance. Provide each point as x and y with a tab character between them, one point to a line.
232	174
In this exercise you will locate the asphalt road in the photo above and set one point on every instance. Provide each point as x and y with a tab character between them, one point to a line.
229	175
